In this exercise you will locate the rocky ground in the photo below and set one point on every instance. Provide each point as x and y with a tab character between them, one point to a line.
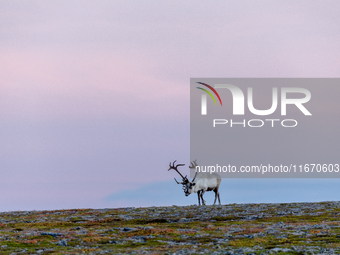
296	228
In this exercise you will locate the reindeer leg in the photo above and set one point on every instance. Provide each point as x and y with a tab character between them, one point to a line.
199	200
217	195
216	192
202	193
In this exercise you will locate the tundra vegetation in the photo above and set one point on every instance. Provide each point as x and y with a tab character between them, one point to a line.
296	228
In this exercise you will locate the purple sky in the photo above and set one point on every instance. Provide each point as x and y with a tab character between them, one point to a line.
94	96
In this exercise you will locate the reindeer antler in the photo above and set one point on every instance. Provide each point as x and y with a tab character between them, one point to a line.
185	179
175	168
178	182
193	166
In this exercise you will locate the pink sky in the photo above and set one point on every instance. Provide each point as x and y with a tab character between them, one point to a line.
94	96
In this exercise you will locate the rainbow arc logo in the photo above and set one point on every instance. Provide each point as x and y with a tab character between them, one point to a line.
209	93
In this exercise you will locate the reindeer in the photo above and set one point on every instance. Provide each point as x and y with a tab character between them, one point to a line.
201	183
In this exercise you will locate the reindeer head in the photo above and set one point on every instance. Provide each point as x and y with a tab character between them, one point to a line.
188	187
184	179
